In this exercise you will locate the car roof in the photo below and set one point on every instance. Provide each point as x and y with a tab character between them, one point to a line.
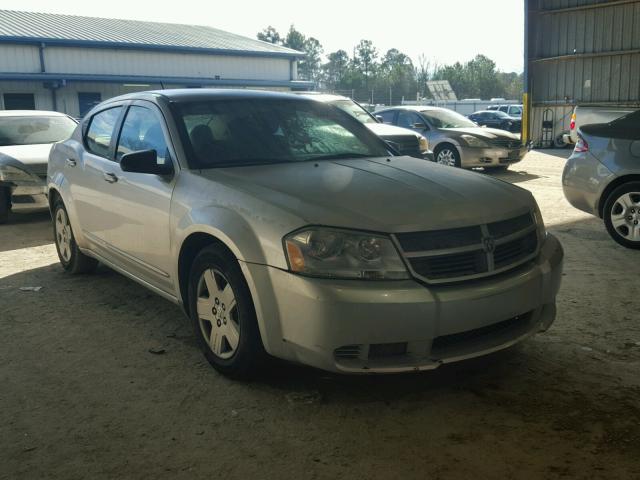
30	113
323	97
203	94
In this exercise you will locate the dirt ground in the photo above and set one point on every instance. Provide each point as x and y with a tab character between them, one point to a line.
82	396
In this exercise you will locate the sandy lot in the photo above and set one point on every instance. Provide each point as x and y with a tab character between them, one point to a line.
82	397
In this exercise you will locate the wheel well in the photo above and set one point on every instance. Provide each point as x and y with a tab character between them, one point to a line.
440	146
192	245
52	197
611	187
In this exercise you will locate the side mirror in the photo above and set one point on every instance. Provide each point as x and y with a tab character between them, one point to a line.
420	126
379	119
144	161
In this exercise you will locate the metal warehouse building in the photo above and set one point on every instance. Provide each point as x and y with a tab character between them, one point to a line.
579	52
70	63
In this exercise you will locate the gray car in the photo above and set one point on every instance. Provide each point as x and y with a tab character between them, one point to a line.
283	226
25	140
457	141
602	176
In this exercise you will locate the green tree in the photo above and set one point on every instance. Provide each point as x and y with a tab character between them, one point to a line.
365	60
335	69
270	35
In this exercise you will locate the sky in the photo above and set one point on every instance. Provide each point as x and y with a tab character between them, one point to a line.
445	31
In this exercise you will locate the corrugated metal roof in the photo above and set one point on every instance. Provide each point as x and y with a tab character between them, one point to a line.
71	29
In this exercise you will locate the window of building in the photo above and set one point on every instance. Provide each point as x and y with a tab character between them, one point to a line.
19	101
100	131
88	100
142	130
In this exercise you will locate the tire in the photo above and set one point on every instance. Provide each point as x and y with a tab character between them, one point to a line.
228	336
622	215
5	204
447	155
71	258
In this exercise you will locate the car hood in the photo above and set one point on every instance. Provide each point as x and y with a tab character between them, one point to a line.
482	132
384	130
34	157
399	194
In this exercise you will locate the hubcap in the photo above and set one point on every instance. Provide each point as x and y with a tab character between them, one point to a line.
446	157
63	235
625	216
218	313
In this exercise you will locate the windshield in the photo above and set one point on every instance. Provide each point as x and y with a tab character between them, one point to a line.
500	114
241	132
355	110
32	130
447	119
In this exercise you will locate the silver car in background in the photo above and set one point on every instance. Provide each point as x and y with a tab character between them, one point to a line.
284	226
602	176
25	140
455	140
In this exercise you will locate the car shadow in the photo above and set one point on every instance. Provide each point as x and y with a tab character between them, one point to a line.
512	176
556	152
25	230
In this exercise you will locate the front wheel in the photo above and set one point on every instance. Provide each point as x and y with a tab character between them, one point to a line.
622	215
5	204
223	315
71	258
447	155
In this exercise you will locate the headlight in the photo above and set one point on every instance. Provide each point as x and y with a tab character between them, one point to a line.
474	142
335	253
15	175
542	230
424	143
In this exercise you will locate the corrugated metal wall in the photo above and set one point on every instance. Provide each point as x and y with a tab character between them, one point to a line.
581	52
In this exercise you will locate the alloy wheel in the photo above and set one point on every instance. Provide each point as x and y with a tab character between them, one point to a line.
218	313
63	234
446	157
625	216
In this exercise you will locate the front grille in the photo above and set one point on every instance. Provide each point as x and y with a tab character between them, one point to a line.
514	325
506	143
405	144
470	252
347	352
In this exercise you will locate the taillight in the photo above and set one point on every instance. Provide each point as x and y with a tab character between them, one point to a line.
572	125
581	145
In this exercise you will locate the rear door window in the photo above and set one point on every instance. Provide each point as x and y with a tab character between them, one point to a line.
387	117
100	131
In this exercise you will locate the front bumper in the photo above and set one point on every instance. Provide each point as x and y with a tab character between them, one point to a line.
428	155
347	326
490	157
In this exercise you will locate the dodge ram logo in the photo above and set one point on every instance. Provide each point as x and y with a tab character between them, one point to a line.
488	244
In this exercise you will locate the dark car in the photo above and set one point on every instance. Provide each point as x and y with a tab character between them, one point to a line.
404	141
496	119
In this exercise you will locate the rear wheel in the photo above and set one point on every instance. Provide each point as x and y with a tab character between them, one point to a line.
622	215
5	204
71	258
223	315
447	155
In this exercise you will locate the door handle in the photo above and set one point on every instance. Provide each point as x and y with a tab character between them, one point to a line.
71	162
110	177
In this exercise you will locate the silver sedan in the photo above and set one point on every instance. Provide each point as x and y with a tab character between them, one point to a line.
284	226
25	141
455	140
602	176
